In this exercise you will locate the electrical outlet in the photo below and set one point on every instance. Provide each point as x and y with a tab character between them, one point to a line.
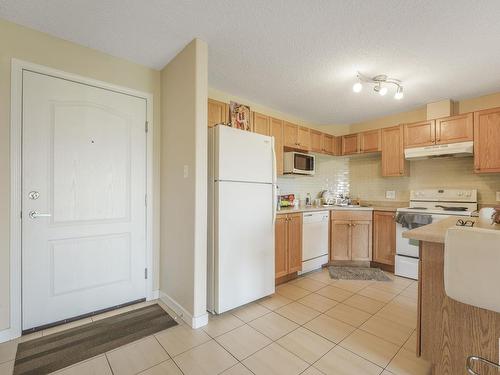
390	194
498	196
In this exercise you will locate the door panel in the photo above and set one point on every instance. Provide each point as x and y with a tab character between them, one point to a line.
316	141
277	133
261	123
290	134
294	242
244	262
486	141
241	156
361	240
280	244
455	129
350	144
393	162
303	138
420	134
384	237
370	141
218	112
84	152
340	240
327	144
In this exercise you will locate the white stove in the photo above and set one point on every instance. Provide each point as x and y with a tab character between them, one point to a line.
437	204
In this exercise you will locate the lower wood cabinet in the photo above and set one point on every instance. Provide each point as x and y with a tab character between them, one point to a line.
351	235
288	244
384	237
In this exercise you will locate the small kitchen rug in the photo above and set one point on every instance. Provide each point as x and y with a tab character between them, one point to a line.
62	349
357	273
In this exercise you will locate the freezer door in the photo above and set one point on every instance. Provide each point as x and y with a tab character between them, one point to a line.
244	244
242	156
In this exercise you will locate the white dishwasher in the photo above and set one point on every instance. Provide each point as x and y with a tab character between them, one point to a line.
314	240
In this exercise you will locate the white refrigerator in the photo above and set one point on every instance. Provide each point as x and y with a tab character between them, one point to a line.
241	215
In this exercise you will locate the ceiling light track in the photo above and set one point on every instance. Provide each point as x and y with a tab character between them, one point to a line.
380	83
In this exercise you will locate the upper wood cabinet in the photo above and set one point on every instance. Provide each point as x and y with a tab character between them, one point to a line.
261	124
350	144
351	235
455	129
384	237
303	138
290	134
327	144
217	112
369	141
393	158
288	244
487	141
316	141
276	129
420	134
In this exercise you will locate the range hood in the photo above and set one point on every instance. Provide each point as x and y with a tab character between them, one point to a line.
456	150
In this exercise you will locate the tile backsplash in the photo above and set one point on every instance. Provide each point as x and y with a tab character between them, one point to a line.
331	173
361	177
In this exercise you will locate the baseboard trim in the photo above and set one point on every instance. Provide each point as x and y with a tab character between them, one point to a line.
9	334
193	321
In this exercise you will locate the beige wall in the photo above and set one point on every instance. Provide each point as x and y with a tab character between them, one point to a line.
184	199
225	97
29	45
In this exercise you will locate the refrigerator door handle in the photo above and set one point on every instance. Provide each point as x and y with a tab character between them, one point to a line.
275	200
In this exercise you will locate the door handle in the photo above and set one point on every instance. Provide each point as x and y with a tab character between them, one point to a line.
35	214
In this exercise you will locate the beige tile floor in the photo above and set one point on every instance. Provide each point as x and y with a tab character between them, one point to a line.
312	325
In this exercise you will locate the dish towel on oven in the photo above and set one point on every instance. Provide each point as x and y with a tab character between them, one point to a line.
412	221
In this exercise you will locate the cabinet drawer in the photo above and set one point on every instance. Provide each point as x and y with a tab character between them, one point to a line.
351	215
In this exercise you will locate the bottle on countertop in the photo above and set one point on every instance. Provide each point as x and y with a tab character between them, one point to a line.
308	199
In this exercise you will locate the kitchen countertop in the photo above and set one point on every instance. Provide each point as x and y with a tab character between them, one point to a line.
436	232
288	210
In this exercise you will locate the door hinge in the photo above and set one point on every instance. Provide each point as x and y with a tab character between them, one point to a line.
147	126
146	273
21	215
146	200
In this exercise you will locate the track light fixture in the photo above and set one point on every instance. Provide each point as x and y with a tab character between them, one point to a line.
380	83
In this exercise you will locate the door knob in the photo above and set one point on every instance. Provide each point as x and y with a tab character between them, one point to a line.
35	214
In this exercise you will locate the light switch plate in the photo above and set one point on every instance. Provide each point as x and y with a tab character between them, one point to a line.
498	196
186	171
390	194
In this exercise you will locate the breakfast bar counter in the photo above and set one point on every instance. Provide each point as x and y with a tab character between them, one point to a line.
449	331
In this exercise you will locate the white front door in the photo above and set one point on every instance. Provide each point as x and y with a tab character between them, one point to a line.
84	188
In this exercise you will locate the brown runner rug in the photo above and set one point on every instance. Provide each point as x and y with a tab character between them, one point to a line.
62	349
357	273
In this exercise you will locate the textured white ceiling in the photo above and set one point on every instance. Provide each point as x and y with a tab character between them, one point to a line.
297	56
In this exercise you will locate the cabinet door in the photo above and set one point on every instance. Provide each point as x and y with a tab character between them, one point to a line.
280	246
487	141
384	237
361	240
290	134
340	240
294	242
420	134
455	129
303	138
337	146
217	112
316	141
261	124
276	126
350	144
327	142
393	160
370	141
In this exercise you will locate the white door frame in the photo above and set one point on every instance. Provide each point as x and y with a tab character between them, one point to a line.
17	68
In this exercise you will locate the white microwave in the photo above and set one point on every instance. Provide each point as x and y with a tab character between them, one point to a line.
299	163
